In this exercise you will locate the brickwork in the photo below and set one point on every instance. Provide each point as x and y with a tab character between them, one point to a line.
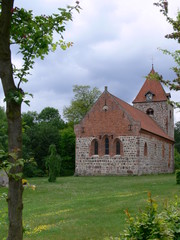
115	138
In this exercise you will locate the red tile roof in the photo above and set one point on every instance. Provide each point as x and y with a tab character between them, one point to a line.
147	123
154	86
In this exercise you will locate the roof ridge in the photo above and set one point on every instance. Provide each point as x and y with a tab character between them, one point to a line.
143	126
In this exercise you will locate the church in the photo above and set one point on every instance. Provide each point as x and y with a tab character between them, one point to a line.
116	138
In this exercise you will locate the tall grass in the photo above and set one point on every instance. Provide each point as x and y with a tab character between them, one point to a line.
87	207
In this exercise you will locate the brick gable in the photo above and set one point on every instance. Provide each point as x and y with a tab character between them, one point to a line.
115	138
120	118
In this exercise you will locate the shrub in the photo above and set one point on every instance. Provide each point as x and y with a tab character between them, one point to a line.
178	176
53	163
153	225
177	159
31	170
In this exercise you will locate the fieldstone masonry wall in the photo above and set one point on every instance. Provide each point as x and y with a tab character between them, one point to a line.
159	157
163	114
133	161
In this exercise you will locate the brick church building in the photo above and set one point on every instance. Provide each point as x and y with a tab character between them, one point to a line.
115	138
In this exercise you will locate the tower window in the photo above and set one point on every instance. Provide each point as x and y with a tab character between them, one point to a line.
106	146
150	112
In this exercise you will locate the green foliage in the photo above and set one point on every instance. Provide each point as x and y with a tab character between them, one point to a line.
177	136
40	131
177	159
178	176
88	207
51	115
53	163
177	145
17	96
151	224
175	23
84	98
3	211
67	146
31	169
35	35
10	166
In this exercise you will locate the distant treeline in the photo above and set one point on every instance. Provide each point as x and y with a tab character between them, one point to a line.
39	132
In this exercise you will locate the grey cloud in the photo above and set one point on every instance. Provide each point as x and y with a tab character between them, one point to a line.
114	42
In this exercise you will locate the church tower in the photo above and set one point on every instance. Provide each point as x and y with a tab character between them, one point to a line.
153	100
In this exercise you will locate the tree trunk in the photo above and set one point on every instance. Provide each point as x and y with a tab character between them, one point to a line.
13	111
15	204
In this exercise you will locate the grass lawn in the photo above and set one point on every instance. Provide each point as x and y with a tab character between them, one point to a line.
80	208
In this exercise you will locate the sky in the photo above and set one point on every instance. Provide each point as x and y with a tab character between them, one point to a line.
115	44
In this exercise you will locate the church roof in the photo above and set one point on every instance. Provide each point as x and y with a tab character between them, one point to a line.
147	123
154	87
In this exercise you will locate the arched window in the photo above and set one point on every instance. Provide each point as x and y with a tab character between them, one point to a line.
118	150
163	150
145	149
95	147
106	146
117	147
150	112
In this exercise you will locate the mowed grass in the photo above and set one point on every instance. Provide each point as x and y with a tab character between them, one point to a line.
80	208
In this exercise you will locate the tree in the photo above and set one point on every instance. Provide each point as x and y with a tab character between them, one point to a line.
177	136
51	115
40	131
67	146
34	37
175	83
83	100
53	163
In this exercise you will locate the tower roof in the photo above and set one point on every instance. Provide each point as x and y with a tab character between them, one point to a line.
147	123
153	86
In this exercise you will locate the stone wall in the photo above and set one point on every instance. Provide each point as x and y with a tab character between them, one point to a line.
132	161
163	114
160	156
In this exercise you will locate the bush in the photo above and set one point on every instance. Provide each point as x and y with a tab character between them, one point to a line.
153	225
177	159
178	176
53	163
31	170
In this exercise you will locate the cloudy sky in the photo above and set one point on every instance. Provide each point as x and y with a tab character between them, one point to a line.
115	43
